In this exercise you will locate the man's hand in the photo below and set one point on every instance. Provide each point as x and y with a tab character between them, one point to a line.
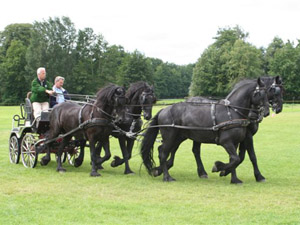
50	92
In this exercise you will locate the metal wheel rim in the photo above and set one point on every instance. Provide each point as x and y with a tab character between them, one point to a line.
14	149
28	155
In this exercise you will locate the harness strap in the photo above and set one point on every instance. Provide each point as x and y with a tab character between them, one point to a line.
213	113
80	113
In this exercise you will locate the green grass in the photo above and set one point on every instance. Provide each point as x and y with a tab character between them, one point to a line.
43	196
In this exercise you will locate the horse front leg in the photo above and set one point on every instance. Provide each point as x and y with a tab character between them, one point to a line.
93	154
61	147
47	158
98	155
117	160
126	152
242	152
105	144
197	154
234	160
251	152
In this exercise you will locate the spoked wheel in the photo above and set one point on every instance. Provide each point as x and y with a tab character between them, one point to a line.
73	155
14	149
29	157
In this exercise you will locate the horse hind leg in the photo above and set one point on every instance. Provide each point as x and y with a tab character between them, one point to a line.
171	145
79	160
197	154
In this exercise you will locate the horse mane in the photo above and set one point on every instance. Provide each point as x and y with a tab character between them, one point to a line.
106	93
135	87
240	84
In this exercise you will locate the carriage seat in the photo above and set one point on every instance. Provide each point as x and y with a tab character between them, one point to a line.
28	108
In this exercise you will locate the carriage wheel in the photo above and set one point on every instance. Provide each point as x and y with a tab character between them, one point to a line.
73	155
14	149
29	157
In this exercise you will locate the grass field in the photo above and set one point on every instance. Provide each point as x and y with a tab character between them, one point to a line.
43	196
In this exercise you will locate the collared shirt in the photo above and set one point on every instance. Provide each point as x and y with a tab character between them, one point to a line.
60	94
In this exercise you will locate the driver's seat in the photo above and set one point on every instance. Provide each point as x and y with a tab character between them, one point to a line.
28	108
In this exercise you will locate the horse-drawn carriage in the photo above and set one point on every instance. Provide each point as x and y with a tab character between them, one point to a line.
28	133
230	122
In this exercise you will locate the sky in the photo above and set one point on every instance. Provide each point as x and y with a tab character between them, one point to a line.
175	31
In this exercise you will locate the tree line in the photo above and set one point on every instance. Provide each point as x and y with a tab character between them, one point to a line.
231	58
84	58
88	62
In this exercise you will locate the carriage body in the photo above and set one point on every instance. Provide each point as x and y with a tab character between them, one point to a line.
26	136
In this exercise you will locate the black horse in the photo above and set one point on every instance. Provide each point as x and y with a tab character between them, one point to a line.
223	123
274	95
140	97
96	118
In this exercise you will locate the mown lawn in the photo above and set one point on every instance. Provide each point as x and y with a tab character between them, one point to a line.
43	196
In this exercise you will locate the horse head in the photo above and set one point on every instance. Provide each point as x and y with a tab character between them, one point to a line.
250	98
119	101
147	99
141	98
111	99
275	94
259	101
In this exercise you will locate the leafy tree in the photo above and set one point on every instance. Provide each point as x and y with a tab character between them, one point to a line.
14	41
52	46
112	59
89	51
14	85
225	62
285	62
135	67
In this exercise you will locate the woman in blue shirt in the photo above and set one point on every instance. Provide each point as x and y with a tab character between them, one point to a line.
61	93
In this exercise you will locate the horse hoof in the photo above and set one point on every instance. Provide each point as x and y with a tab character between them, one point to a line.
78	163
261	181
113	163
239	182
214	169
44	162
155	173
204	176
61	170
169	179
260	178
95	174
129	172
100	167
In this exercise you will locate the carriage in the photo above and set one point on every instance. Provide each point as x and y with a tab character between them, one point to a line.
27	134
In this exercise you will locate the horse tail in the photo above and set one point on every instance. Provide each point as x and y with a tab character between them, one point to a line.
148	142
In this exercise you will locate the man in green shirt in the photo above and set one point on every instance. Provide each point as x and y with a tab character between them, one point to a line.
41	89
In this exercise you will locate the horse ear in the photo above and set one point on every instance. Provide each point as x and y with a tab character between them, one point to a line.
260	82
278	80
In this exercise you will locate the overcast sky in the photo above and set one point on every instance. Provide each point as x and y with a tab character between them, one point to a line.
176	31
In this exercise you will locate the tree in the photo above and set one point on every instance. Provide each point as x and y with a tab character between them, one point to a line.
52	46
112	59
135	67
14	41
285	62
225	62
